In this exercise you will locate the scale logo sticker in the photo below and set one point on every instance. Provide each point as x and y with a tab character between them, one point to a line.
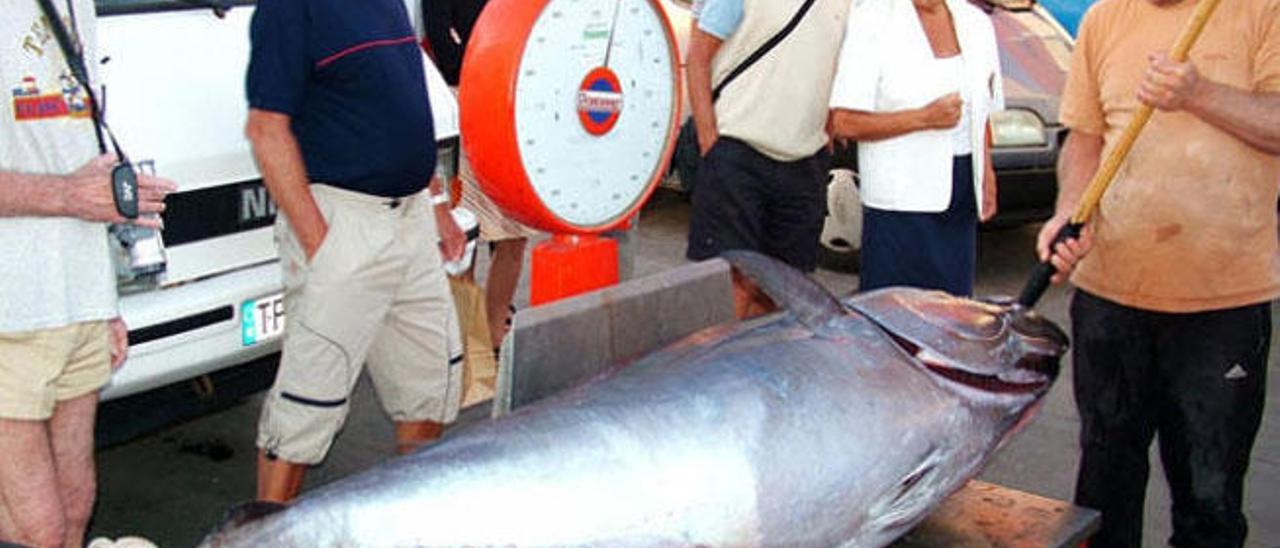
599	101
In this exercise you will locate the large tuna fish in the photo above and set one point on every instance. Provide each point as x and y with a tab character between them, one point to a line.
826	424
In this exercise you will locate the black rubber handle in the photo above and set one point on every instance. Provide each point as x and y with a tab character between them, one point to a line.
124	188
1040	277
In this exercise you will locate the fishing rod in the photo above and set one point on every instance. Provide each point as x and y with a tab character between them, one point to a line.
1102	178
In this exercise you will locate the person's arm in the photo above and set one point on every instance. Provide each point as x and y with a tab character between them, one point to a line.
280	161
1082	112
119	342
453	241
1252	117
1077	163
85	194
990	202
438	25
996	103
864	126
702	49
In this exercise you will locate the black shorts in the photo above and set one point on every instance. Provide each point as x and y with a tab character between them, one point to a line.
746	200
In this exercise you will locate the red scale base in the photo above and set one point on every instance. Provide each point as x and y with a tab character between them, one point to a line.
567	265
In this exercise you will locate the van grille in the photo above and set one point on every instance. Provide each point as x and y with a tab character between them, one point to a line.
217	211
180	325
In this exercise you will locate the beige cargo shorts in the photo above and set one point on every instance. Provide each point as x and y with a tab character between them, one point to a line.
40	368
373	294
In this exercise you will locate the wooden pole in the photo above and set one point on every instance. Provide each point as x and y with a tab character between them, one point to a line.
1102	178
1107	171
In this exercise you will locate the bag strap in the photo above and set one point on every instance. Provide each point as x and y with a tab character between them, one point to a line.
75	61
758	53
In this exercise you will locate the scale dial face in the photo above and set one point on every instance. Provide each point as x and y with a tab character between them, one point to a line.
592	98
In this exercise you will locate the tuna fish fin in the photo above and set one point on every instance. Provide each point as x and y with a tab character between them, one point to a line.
249	512
808	302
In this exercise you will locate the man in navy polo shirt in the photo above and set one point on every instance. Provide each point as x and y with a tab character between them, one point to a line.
342	131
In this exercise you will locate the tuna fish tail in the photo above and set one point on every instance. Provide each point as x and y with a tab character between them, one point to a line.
811	304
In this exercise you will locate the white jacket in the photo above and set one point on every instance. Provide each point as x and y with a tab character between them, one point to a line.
886	65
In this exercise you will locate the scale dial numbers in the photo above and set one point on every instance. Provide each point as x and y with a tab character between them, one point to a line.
569	109
593	106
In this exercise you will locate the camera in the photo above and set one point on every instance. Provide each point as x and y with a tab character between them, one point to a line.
141	250
144	249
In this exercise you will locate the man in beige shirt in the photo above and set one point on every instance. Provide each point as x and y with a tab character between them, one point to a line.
1172	319
761	184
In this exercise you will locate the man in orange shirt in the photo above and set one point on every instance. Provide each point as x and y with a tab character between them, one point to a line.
1172	320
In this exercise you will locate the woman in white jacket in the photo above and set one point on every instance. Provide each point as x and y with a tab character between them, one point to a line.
915	85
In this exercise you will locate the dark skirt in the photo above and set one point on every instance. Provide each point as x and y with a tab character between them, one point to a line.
928	250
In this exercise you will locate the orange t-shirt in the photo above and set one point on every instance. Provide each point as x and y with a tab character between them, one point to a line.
1189	223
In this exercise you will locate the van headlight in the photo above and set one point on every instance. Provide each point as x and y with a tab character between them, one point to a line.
1017	128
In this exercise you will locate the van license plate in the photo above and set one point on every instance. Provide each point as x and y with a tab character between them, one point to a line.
262	319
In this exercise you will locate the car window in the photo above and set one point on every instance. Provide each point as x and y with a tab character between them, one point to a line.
119	7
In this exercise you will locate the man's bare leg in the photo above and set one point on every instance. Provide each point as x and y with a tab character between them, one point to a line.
29	485
412	435
279	480
71	433
505	264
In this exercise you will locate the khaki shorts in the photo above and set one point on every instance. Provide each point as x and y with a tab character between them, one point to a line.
40	368
375	294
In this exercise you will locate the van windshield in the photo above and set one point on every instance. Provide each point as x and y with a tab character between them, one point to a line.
120	7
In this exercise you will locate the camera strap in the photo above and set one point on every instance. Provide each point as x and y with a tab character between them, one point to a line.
760	52
75	61
124	181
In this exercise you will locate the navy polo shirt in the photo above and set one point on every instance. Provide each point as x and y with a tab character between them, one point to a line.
350	76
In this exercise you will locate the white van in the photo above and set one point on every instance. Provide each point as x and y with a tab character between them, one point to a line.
174	76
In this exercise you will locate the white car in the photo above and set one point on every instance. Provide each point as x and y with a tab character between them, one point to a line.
174	76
